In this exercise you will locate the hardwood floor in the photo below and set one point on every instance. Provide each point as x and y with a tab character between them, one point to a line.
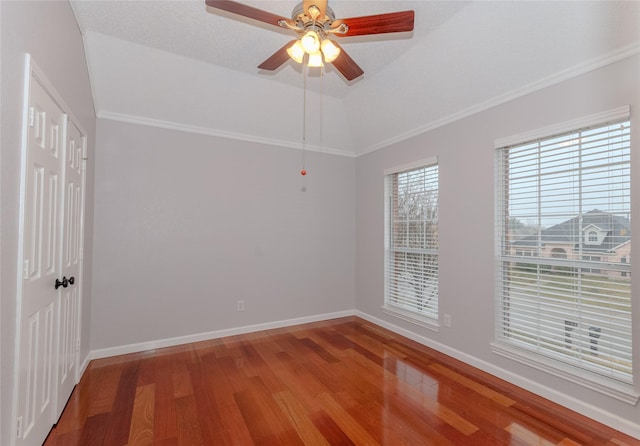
339	382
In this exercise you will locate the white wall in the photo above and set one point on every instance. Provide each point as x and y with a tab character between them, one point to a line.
187	224
465	150
48	31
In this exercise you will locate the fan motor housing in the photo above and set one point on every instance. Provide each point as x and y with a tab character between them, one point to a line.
303	20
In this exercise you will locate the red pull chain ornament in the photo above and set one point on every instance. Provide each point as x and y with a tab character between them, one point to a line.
303	172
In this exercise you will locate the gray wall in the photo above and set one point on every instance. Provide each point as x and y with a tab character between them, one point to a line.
465	150
187	224
48	31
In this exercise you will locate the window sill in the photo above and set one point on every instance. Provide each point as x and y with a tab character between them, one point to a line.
426	322
609	387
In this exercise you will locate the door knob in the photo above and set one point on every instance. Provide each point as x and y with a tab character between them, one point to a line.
64	283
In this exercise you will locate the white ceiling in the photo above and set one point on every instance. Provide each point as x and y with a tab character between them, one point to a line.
177	64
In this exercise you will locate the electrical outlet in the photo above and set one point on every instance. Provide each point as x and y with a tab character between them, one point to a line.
240	305
447	320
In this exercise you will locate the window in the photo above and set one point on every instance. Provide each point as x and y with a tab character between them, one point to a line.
411	269
571	313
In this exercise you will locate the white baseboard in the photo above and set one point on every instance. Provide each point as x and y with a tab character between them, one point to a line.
602	416
170	342
83	365
626	426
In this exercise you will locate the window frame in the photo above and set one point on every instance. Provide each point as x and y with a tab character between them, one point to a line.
388	307
624	391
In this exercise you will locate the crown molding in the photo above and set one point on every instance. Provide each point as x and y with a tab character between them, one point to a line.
570	73
208	131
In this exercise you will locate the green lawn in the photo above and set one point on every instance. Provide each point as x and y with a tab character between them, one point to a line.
588	288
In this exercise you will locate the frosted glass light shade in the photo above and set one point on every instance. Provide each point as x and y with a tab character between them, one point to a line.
296	52
330	50
315	59
310	42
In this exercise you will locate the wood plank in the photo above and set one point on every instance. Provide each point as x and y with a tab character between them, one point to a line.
164	423
211	426
529	437
142	417
181	384
236	431
474	385
94	430
188	423
101	396
147	370
122	409
345	421
263	417
298	416
344	381
330	429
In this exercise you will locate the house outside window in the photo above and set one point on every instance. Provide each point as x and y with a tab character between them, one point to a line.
567	314
411	243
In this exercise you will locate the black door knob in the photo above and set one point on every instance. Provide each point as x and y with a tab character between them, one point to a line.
63	284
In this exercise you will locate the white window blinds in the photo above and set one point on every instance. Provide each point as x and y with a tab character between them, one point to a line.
412	241
564	237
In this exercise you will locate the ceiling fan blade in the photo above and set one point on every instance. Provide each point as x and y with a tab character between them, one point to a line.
277	58
247	11
393	22
320	4
346	65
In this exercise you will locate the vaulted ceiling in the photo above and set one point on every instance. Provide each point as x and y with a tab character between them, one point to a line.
179	64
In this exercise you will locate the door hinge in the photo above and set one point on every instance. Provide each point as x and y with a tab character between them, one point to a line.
25	269
78	344
19	427
32	116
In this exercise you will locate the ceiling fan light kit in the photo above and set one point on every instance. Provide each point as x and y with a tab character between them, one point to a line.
329	50
313	21
310	42
315	60
296	51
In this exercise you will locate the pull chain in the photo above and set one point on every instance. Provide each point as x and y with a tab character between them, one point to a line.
303	172
321	101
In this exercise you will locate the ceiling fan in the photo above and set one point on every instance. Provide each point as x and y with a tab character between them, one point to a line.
314	22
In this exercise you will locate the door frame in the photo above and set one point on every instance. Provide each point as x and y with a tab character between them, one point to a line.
32	73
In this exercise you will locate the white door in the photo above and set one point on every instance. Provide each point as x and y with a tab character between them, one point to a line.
69	337
41	267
